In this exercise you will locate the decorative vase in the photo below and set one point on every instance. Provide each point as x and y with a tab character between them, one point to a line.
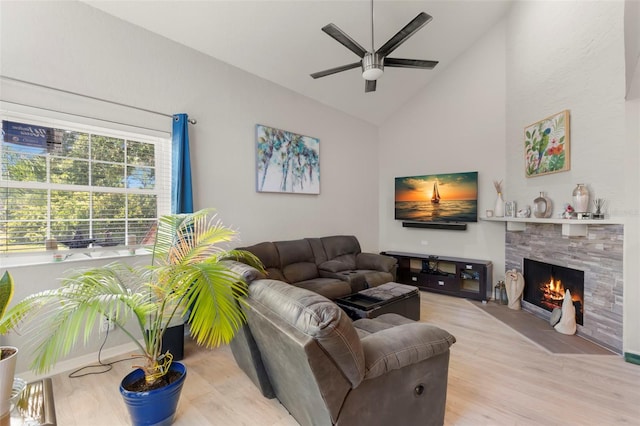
498	211
542	206
155	407
7	371
581	198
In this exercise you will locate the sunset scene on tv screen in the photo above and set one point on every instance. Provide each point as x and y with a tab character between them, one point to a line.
442	197
455	186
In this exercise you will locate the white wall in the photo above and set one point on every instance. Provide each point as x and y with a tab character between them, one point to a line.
72	46
456	124
632	48
570	55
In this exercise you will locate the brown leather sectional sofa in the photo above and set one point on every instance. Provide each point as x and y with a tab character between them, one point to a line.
333	266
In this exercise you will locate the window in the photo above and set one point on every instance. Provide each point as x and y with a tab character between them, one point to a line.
82	186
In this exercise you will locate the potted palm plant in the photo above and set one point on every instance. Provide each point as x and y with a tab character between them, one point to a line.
188	273
8	354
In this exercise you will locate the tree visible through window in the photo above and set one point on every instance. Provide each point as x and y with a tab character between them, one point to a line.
78	187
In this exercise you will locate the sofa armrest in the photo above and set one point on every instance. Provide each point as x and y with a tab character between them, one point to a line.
403	345
333	266
376	262
244	271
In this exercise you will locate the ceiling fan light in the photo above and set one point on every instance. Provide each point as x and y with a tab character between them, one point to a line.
372	67
372	73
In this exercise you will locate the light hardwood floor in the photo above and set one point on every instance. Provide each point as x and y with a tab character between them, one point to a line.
496	377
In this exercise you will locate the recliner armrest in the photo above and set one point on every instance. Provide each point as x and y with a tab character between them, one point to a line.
403	345
244	271
376	262
333	266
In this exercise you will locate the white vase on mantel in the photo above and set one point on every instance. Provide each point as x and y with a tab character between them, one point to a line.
581	198
498	211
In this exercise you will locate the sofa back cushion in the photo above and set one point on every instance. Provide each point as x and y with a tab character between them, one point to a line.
342	248
318	250
268	255
317	317
296	260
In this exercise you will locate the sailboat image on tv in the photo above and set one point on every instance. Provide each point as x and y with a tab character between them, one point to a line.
435	196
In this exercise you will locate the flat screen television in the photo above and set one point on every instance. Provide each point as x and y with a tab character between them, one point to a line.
447	197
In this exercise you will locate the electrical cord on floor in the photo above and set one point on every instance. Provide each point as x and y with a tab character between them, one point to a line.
104	366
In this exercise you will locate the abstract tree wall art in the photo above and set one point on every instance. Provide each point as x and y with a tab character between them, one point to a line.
286	161
546	145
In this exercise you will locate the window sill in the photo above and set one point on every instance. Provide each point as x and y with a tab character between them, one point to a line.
70	256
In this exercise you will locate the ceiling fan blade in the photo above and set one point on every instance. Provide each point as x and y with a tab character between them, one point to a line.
409	63
335	70
342	38
370	86
418	22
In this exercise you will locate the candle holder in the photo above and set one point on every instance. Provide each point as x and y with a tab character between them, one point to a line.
598	204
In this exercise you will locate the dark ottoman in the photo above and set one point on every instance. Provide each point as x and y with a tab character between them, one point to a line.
387	298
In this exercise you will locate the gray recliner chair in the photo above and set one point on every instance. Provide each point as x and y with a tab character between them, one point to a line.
327	370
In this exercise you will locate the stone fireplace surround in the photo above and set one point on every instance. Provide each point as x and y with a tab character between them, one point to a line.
599	255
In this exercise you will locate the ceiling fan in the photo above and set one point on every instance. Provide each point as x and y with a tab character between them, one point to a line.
374	61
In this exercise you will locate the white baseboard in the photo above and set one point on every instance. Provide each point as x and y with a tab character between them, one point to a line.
75	363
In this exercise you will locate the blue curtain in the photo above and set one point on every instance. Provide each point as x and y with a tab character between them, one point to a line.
181	195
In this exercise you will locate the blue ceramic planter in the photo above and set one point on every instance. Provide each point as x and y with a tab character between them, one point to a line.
156	407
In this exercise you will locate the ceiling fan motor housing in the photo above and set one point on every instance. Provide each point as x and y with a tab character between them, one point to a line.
372	66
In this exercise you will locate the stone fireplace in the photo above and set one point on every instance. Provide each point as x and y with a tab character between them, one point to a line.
599	256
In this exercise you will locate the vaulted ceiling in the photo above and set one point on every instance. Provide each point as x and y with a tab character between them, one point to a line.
282	41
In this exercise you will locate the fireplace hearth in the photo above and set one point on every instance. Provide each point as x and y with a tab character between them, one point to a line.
545	286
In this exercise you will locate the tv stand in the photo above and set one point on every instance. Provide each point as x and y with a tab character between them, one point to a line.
454	276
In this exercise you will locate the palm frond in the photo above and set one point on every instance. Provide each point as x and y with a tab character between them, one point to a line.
57	319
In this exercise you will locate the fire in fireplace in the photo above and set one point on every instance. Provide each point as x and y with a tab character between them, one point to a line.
545	285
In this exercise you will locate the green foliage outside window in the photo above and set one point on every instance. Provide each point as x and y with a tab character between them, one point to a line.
89	186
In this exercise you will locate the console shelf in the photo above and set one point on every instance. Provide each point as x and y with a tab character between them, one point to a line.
455	276
570	227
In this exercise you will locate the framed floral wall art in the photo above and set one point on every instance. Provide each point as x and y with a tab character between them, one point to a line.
546	145
286	162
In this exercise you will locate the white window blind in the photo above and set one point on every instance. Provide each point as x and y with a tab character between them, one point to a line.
79	185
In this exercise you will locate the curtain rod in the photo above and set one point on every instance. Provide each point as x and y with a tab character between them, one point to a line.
84	116
191	120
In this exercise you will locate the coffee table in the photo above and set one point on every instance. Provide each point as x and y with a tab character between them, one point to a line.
387	298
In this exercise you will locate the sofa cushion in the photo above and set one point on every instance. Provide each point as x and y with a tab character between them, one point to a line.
317	317
301	271
331	288
268	255
375	278
318	250
376	262
339	245
342	248
296	260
